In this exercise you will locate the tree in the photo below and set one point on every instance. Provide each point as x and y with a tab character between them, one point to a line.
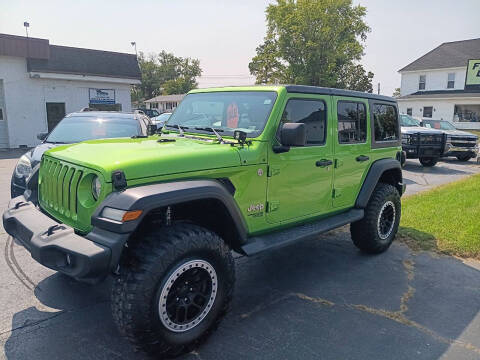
396	93
313	42
165	74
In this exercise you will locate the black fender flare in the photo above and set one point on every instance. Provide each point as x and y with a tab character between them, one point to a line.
373	176
149	197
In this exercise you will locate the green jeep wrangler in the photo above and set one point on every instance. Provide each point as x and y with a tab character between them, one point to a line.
247	169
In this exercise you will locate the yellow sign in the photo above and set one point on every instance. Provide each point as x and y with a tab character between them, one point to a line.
473	74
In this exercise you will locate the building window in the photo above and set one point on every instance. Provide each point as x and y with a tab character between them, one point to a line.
427	111
153	105
313	113
385	122
451	81
352	122
467	113
1	114
409	111
422	82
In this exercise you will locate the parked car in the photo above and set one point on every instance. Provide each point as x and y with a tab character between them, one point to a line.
161	119
427	145
151	113
461	144
162	215
77	127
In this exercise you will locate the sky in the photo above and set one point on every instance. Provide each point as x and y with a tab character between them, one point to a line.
223	35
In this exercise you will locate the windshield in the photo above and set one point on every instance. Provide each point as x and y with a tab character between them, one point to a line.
80	128
441	125
163	117
225	111
406	120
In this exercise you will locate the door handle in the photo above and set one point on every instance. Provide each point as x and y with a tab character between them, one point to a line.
323	163
362	158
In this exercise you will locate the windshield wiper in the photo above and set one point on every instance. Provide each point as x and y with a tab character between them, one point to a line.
215	131
139	136
180	128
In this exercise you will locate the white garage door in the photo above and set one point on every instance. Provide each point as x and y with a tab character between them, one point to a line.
3	119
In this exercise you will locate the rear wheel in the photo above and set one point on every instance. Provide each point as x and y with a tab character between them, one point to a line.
428	161
464	157
376	231
173	289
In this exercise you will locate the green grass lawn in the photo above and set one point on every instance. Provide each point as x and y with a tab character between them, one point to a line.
445	219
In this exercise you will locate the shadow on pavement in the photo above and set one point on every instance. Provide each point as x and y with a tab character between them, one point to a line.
318	299
435	170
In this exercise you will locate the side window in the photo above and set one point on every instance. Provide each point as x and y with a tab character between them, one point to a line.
385	122
352	122
313	113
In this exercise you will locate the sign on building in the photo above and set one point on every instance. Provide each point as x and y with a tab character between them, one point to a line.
472	80
101	96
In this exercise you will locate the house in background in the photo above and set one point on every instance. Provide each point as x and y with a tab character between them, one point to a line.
40	83
434	86
164	103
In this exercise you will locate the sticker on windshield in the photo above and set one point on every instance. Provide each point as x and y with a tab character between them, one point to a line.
232	115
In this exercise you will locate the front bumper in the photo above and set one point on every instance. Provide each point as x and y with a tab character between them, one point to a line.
419	151
56	245
451	150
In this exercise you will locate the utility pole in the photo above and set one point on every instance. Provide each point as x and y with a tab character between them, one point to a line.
378	90
134	44
27	25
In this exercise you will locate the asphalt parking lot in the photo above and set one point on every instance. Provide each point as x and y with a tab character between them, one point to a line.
316	300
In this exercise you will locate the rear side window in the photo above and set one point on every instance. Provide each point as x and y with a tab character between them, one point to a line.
313	113
385	122
352	122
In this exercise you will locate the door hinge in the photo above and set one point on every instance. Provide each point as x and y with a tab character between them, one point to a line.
273	170
336	193
272	205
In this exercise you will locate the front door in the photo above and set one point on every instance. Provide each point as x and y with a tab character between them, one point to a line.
300	180
55	113
352	149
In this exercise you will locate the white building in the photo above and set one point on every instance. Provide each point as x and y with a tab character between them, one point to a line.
164	103
434	86
40	83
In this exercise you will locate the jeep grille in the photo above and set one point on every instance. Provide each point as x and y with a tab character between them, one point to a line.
59	186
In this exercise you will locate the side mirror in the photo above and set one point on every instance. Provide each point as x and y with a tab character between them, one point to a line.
42	136
151	129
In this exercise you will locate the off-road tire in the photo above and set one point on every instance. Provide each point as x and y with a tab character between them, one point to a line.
366	232
464	157
428	161
144	271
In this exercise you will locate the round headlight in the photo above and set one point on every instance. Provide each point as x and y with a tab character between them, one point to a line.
96	187
24	167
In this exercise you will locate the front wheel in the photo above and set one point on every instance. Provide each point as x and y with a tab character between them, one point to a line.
173	289
376	231
428	161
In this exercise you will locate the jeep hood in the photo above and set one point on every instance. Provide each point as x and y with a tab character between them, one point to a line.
142	158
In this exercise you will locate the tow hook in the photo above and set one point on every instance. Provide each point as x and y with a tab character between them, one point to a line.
51	230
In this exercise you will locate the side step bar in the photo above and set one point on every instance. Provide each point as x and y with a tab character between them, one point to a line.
289	236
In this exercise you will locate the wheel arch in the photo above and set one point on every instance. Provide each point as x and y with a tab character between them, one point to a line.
387	171
196	201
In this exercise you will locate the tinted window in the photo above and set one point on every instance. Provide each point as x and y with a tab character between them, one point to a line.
352	122
312	113
80	128
385	122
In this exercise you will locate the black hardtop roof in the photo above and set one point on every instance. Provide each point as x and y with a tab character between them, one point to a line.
304	89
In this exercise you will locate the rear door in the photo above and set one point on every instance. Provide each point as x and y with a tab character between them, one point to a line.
300	180
352	149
